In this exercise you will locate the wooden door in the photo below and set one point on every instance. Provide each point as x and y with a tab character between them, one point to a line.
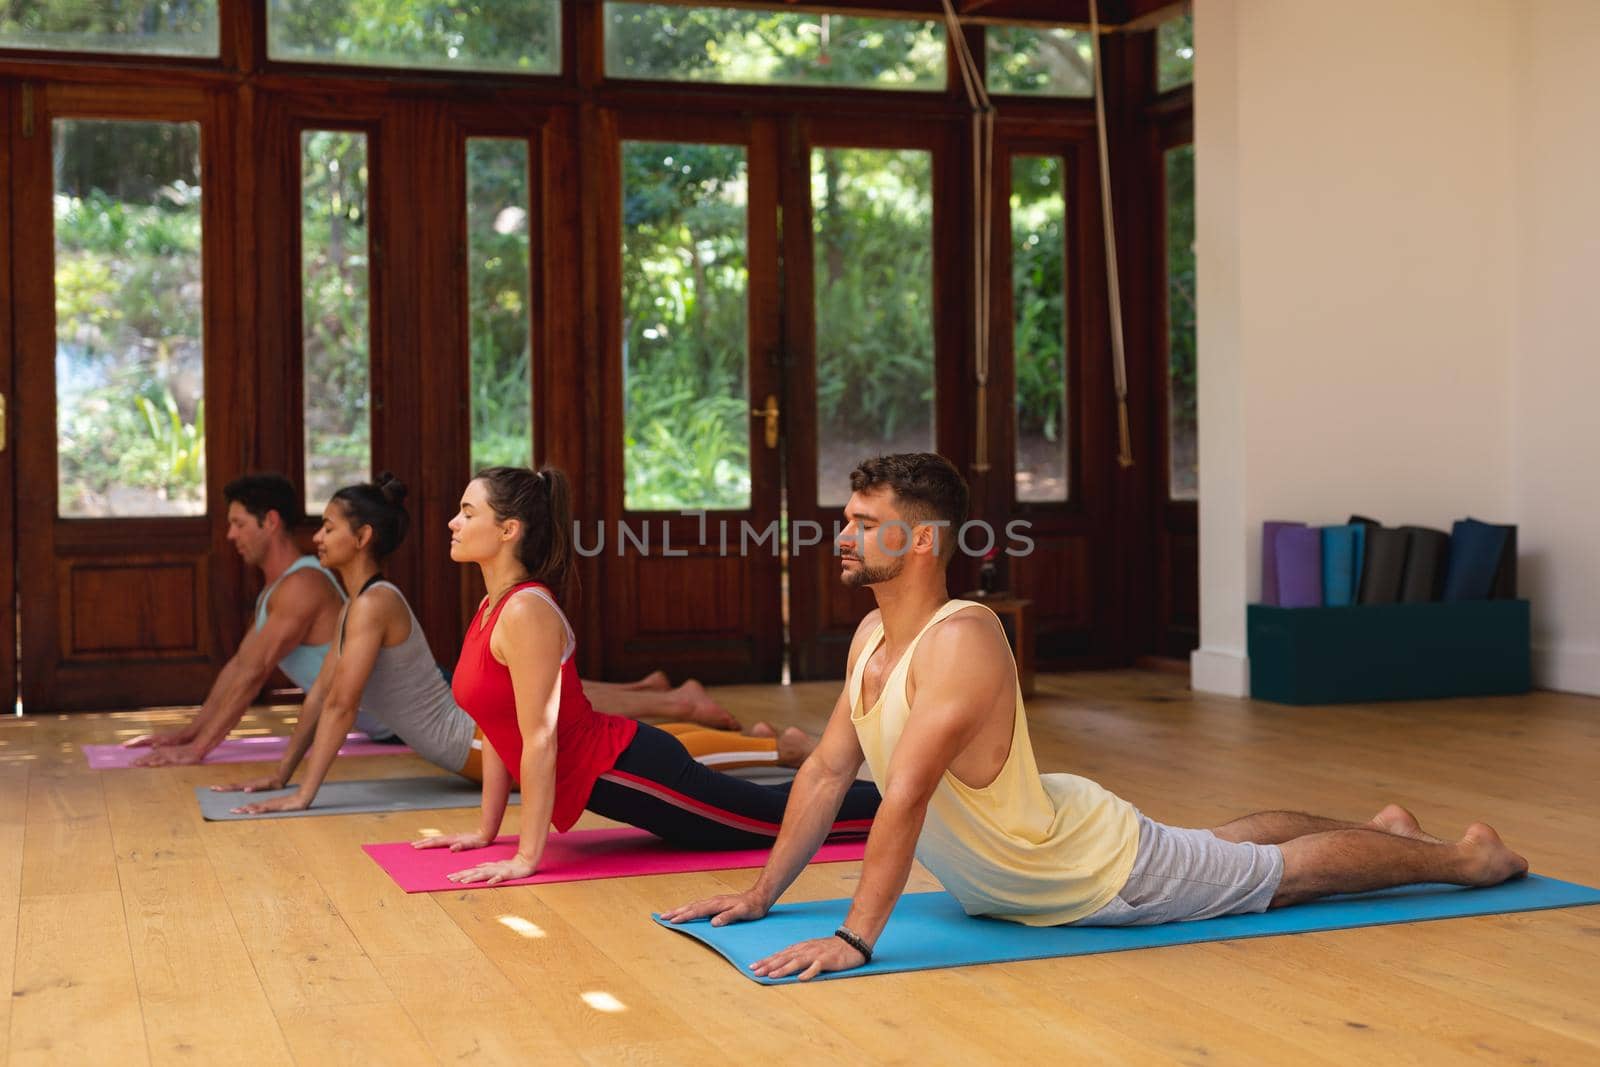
8	454
123	332
873	316
690	351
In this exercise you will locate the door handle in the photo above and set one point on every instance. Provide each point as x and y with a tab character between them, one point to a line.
2	422
770	413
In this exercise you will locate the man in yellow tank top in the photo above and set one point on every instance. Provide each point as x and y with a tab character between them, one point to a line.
933	707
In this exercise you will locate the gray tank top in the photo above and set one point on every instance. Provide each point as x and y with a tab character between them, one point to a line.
409	694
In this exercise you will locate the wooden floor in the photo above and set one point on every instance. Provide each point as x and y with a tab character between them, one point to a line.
131	931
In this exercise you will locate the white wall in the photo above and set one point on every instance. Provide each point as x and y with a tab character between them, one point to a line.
1357	270
1556	349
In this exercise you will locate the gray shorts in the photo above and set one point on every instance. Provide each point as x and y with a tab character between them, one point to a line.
1180	875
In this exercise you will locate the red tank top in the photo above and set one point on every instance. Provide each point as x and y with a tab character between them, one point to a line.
588	742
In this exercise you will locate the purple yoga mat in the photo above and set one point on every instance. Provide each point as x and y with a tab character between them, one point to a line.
238	750
1300	567
577	856
1269	557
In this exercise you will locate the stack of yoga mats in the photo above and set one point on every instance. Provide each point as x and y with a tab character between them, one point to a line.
1367	612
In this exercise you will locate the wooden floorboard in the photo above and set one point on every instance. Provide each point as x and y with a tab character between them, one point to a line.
132	931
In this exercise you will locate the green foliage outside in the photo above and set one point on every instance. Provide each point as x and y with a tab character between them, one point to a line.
772	46
498	295
1175	53
171	27
519	36
1053	62
1181	312
129	365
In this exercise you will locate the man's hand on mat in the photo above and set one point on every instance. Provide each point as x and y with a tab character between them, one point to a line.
724	909
809	959
172	756
494	873
292	802
255	785
453	842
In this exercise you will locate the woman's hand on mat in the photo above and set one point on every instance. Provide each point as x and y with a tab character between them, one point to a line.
163	740
809	959
495	872
292	802
255	785
454	842
172	756
724	909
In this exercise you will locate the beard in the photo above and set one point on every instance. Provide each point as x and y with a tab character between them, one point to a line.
867	574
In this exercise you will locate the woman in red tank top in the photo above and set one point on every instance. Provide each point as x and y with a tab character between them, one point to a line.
517	677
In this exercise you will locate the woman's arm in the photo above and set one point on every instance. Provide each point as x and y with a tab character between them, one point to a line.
496	791
305	728
529	638
365	621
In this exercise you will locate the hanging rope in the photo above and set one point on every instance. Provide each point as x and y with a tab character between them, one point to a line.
1119	359
982	222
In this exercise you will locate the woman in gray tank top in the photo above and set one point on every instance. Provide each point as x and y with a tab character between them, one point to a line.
380	663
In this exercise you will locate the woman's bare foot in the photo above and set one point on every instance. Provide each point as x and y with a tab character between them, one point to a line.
656	680
1398	821
762	729
794	745
702	709
1488	860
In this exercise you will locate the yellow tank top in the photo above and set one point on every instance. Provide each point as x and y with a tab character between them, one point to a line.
1038	850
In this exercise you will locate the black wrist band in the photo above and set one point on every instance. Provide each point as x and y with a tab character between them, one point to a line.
851	938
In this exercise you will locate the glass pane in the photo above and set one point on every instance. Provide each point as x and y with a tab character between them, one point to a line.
130	372
1039	326
521	36
143	27
729	44
685	344
1175	53
872	217
335	312
1181	407
497	302
1054	62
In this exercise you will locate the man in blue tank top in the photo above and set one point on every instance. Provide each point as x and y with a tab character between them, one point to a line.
293	625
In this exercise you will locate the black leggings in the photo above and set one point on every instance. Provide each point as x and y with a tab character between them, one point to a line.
657	786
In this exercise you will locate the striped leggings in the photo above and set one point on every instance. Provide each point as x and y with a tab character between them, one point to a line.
657	786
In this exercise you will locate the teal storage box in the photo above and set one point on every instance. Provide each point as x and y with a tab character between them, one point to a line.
1375	652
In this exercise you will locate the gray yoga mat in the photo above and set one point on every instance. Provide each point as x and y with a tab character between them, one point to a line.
352	798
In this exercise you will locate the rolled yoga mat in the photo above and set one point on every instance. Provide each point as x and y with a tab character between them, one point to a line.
1300	567
239	750
578	855
353	798
1342	548
930	930
1269	557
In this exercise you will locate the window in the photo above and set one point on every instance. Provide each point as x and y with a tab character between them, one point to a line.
685	341
335	312
1175	53
1039	327
872	233
517	36
142	27
1053	62
499	316
1181	399
130	367
754	46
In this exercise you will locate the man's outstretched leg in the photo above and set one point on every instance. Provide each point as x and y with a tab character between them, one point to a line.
1276	827
1364	859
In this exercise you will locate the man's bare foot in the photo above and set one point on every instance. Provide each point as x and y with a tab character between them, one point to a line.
794	745
656	680
702	709
1398	821
1488	860
762	729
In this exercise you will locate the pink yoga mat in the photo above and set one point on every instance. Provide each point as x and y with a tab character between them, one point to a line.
576	856
238	750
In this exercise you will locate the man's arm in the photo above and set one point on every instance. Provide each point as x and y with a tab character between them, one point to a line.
814	799
291	613
957	675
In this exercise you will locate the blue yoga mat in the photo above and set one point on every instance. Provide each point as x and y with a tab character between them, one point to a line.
930	930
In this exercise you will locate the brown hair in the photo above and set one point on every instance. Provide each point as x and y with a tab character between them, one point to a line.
542	501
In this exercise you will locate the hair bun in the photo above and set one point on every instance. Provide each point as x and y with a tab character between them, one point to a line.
392	488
